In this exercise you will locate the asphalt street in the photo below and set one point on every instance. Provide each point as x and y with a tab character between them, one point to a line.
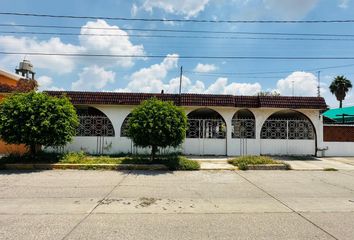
177	205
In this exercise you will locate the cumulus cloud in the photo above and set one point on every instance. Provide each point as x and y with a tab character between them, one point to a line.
187	8
93	78
58	64
89	44
290	9
150	79
221	86
46	83
109	44
304	84
205	68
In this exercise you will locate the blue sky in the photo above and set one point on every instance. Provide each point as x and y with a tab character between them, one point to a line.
220	76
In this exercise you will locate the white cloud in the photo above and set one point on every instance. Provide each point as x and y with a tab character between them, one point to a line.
89	44
187	8
151	79
221	86
343	3
304	84
109	44
57	64
46	83
134	10
290	9
93	78
205	68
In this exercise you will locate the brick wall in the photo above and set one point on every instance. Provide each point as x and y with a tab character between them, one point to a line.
338	133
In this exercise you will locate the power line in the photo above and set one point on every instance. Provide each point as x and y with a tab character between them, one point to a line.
174	20
173	36
181	57
269	72
178	31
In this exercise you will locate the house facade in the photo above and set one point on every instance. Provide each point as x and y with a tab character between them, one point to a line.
223	125
8	82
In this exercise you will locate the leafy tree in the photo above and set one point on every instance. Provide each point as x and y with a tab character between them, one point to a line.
339	87
37	119
268	93
157	124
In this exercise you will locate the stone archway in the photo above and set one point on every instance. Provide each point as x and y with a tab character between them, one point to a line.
288	132
206	134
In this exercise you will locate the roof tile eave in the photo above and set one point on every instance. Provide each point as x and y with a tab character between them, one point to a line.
192	99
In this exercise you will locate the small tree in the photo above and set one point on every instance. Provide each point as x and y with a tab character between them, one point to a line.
339	87
157	124
37	119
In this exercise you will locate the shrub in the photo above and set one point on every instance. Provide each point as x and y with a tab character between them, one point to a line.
157	124
243	162
37	119
181	163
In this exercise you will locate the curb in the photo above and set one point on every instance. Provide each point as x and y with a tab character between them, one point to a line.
268	167
62	166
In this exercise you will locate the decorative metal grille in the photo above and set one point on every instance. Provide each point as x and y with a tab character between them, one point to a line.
206	128
95	126
124	127
287	129
243	128
300	129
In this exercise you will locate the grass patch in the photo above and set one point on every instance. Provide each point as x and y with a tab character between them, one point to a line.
172	161
330	169
244	161
297	157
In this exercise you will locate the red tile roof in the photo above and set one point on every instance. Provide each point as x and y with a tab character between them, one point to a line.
116	98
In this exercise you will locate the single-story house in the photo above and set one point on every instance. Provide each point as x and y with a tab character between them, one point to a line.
8	83
218	124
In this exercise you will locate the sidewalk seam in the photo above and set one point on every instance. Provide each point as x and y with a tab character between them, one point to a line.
93	209
284	204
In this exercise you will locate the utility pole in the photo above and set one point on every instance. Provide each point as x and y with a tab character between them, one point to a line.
319	84
180	80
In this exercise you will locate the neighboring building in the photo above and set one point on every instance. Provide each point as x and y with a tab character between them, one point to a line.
340	115
218	124
8	83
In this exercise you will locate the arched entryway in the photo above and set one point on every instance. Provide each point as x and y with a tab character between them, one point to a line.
288	132
94	123
243	131
206	134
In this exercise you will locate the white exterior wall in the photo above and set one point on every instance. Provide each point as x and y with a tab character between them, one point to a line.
229	146
337	149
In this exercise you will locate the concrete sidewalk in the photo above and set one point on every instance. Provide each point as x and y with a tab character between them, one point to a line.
339	163
274	205
321	164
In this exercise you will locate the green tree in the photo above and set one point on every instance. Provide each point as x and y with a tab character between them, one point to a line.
339	87
37	119
157	124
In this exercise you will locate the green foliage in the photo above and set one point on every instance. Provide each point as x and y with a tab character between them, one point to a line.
181	163
330	169
243	162
41	157
37	119
172	161
339	87
157	124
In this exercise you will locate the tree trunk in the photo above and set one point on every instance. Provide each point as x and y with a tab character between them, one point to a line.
33	149
340	103
153	152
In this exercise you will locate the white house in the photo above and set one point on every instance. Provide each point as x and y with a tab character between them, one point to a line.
218	124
